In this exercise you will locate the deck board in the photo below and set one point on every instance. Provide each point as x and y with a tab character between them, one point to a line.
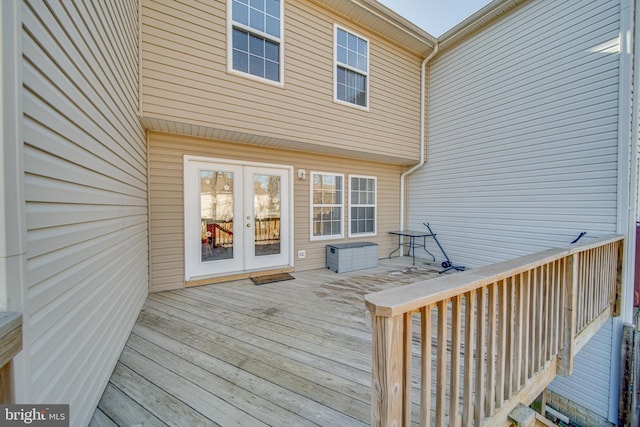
288	353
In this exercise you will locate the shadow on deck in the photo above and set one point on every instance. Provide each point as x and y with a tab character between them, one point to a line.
296	352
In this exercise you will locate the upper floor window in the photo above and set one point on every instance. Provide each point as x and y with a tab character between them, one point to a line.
351	68
256	38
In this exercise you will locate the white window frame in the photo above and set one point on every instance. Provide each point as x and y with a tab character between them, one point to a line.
350	68
231	24
364	205
342	206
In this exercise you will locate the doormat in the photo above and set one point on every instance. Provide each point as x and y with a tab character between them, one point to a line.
280	277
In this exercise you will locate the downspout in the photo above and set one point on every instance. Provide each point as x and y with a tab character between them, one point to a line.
423	89
627	203
627	150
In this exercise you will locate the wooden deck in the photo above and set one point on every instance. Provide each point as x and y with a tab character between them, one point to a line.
290	353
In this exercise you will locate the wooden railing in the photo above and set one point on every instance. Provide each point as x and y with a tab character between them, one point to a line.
219	235
267	230
10	346
486	339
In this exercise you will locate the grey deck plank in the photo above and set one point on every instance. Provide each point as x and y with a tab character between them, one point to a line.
100	419
289	353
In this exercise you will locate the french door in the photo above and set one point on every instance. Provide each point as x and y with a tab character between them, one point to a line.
237	217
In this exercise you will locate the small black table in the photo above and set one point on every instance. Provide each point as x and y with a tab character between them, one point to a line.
412	244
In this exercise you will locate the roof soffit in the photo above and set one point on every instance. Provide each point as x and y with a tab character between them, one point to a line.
383	21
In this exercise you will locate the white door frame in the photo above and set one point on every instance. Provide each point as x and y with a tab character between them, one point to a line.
194	268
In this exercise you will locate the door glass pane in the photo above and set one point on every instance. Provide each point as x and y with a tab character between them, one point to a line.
266	213
216	215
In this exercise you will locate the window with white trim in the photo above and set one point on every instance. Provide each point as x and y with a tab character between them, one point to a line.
351	68
362	202
327	205
256	38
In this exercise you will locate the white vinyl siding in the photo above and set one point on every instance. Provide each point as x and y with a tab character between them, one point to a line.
522	137
591	373
86	198
522	141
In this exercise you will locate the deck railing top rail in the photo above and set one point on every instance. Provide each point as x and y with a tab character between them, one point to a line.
396	301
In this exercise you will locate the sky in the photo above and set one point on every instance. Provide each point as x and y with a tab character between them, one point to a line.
435	16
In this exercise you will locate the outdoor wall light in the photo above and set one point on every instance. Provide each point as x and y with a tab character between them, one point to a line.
302	174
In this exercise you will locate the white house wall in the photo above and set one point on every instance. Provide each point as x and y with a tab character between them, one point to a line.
522	143
592	363
86	198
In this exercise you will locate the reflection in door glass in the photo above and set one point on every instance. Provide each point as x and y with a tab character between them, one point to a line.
266	212
216	215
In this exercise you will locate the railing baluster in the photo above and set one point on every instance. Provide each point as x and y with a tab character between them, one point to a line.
503	326
510	338
441	364
593	282
546	324
561	303
606	302
481	340
408	341
538	319
469	339
518	328
528	309
454	382
606	278
583	291
425	366
491	349
555	283
544	330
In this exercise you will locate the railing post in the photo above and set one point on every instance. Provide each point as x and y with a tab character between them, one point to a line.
387	389
10	346
565	355
617	303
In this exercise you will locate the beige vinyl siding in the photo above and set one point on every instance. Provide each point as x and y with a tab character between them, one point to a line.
166	157
86	198
185	80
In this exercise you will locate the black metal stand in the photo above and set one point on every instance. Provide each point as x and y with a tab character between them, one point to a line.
447	265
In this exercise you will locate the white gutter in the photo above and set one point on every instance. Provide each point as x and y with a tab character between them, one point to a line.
423	89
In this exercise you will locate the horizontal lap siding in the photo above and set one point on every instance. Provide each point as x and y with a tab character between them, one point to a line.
185	80
522	143
522	134
166	154
86	196
590	383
